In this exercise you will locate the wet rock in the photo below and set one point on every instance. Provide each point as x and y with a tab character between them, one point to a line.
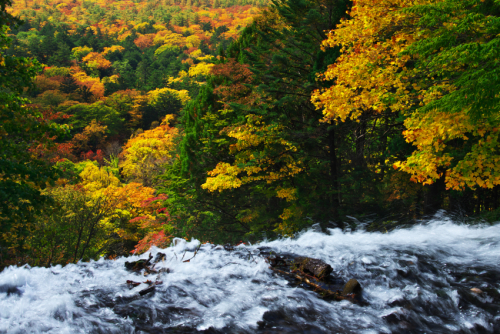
316	267
403	273
278	321
147	290
392	318
10	290
476	291
276	261
405	325
139	264
309	273
352	286
442	293
151	286
160	257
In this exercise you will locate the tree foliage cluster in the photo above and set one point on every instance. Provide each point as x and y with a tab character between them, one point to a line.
125	65
222	124
82	80
323	109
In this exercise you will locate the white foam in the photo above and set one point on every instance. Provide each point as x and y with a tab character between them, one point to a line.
222	289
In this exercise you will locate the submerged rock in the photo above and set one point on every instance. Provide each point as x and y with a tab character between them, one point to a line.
10	290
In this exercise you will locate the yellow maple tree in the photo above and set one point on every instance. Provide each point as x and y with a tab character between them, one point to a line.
145	153
380	70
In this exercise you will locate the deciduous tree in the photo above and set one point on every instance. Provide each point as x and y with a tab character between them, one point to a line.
22	176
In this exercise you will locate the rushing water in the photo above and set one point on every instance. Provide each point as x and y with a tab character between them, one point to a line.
415	280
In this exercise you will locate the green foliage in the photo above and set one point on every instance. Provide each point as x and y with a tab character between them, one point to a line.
456	68
163	104
69	230
461	46
71	171
274	88
56	71
50	98
22	175
84	114
251	153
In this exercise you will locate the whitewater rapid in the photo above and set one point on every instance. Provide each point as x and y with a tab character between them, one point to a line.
416	280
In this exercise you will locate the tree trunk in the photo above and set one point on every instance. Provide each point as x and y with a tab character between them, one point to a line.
434	197
335	198
360	139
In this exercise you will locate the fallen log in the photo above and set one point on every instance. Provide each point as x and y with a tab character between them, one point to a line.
147	290
132	284
327	294
316	267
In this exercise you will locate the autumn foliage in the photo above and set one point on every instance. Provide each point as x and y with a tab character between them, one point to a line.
243	119
403	65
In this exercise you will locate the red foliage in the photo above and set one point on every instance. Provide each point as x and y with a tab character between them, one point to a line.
147	202
154	226
58	151
49	115
53	153
64	151
137	219
90	155
239	76
203	37
154	239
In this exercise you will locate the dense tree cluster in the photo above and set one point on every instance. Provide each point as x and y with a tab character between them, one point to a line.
82	148
331	108
224	121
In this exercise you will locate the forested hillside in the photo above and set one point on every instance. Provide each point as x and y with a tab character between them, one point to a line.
125	123
110	78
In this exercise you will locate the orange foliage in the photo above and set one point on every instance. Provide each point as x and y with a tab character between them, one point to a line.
90	155
144	41
151	218
97	60
234	17
155	226
83	80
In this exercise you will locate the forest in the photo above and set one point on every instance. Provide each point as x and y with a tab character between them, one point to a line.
125	124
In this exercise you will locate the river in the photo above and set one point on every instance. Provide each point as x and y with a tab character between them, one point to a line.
415	280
